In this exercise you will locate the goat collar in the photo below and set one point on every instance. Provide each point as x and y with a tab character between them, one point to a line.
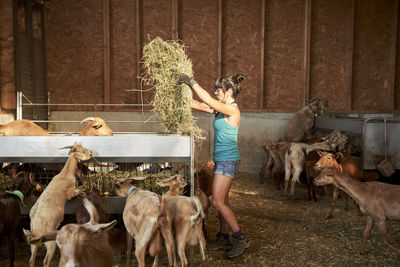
130	189
17	193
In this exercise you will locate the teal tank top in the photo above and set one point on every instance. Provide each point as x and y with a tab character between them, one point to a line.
225	140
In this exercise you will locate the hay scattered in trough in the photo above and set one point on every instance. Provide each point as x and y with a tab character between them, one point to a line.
162	61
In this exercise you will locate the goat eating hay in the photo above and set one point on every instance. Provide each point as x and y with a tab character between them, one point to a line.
162	61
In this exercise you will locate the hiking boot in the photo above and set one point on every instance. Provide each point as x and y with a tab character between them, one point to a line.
240	243
219	243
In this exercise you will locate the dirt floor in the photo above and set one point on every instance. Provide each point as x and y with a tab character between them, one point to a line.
284	232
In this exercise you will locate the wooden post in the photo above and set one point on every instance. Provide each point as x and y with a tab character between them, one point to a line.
261	90
393	55
349	58
175	34
219	39
138	49
106	45
306	51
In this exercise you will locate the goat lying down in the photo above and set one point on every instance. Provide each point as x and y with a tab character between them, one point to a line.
82	244
378	201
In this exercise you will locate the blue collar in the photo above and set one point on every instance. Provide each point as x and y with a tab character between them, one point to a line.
130	189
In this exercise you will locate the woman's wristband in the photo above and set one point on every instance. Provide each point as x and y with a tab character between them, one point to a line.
192	83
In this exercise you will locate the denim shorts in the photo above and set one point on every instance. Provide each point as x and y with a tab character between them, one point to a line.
227	168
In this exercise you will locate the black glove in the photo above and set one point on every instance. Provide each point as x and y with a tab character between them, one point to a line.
183	78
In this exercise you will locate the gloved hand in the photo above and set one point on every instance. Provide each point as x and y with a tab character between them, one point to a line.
183	78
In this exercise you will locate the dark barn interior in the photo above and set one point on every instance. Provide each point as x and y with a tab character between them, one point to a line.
65	60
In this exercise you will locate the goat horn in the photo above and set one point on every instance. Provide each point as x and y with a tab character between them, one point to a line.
66	147
87	119
168	179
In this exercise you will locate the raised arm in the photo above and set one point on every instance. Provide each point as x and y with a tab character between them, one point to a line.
213	103
201	106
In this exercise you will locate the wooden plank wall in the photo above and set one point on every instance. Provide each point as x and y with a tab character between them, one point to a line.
289	50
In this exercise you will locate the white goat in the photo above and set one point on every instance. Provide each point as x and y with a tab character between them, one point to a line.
296	154
48	211
82	244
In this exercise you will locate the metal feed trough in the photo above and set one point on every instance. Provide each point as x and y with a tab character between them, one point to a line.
149	147
371	131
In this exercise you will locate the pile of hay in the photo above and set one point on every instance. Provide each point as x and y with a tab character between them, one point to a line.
162	62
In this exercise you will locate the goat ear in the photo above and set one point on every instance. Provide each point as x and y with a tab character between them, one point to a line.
97	228
38	241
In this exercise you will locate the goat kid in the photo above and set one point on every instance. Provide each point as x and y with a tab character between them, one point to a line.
84	245
142	219
348	165
48	211
185	216
377	201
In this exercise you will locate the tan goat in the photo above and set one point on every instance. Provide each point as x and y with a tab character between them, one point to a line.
185	217
22	128
141	217
48	211
82	244
95	127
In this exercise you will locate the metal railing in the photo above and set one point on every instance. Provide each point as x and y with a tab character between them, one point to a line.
20	104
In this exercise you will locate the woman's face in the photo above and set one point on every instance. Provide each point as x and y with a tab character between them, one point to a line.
219	94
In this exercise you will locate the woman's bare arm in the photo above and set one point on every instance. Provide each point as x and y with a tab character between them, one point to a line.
226	109
201	106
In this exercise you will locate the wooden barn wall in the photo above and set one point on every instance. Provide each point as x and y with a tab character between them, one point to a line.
330	54
289	50
74	41
283	80
7	75
373	67
198	27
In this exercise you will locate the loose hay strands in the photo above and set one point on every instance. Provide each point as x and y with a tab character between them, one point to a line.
162	61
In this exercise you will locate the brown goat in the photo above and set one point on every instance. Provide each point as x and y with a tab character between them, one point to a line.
10	214
275	163
348	165
184	216
300	126
378	201
48	211
22	128
295	156
82	215
82	244
96	127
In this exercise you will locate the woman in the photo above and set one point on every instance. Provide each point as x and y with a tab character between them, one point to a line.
226	155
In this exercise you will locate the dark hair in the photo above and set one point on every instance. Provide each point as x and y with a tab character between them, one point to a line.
230	82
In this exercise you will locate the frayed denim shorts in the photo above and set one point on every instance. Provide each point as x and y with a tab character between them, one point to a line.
227	168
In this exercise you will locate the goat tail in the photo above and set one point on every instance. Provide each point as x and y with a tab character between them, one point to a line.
91	209
2	128
200	213
28	235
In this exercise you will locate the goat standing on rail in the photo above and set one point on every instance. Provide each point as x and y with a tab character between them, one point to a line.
378	201
82	244
299	128
48	211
